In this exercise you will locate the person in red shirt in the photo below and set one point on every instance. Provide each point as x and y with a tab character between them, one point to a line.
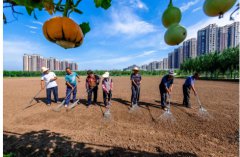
92	82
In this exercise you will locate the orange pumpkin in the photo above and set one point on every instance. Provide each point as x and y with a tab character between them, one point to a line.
63	31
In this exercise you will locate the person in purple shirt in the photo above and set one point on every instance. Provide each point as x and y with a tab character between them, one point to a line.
136	79
187	86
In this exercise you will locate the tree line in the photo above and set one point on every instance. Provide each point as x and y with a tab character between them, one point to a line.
214	65
81	73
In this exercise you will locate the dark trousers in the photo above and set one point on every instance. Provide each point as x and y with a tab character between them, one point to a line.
107	97
163	94
55	94
135	94
186	95
74	93
93	91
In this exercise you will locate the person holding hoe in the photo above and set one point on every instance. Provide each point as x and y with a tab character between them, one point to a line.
50	83
107	86
136	79
165	88
92	82
187	86
71	83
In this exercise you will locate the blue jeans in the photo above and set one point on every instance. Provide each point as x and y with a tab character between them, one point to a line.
93	91
135	94
55	94
163	94
68	91
107	97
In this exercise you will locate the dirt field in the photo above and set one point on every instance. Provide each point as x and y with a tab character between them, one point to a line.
39	131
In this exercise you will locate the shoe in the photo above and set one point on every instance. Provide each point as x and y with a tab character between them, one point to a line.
75	101
188	105
48	104
65	106
164	108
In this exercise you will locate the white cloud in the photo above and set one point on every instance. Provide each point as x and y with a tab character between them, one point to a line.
121	59
33	32
146	53
196	9
37	22
125	21
192	30
138	4
13	51
31	27
187	5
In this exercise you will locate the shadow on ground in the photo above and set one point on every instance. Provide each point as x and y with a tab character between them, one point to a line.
45	143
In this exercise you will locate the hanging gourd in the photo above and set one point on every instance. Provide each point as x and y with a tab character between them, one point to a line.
63	31
171	19
175	34
217	7
171	15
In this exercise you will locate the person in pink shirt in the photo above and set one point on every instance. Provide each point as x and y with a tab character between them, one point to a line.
107	86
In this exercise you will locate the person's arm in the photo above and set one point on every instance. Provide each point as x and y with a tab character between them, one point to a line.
78	77
42	84
140	80
167	89
54	78
104	88
69	85
194	90
86	85
97	79
134	83
170	88
111	86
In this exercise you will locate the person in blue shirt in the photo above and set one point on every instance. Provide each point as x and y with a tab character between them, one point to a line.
71	82
165	87
187	86
136	79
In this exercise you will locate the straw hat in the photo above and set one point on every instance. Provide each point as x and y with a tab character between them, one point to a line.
105	75
44	69
135	69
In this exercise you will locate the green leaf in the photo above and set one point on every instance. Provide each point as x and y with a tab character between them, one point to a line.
29	10
78	11
98	3
106	4
85	27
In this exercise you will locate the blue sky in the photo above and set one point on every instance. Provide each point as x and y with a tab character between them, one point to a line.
130	32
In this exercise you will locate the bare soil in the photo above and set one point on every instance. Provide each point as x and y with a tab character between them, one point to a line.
82	131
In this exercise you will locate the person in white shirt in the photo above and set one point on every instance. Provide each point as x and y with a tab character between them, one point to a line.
50	83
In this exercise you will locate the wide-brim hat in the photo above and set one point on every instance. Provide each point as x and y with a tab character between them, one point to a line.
105	75
135	69
43	69
171	73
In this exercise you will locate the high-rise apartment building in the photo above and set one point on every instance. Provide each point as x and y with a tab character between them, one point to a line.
189	49
36	62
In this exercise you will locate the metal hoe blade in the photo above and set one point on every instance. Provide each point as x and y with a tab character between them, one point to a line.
73	105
